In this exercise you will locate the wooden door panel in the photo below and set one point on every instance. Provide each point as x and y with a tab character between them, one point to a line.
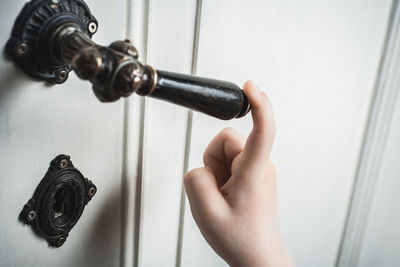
38	122
379	247
317	60
171	27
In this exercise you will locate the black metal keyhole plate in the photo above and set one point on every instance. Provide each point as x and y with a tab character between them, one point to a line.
58	201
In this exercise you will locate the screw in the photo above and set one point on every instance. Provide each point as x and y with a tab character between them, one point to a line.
92	191
31	215
55	1
63	163
92	28
22	49
60	241
62	75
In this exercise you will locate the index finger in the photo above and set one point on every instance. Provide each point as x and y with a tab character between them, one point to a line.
221	151
259	143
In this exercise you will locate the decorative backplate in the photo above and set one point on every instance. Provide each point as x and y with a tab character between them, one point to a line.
58	201
29	42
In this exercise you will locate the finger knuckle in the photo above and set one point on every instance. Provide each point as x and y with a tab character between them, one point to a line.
264	98
264	95
265	101
190	176
227	132
232	134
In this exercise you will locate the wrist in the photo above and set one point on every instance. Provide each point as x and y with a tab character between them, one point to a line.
276	256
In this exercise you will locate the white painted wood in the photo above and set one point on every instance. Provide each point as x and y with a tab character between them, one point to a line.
137	29
171	28
371	167
380	244
317	60
38	122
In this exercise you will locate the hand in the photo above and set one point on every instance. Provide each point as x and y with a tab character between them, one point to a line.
233	198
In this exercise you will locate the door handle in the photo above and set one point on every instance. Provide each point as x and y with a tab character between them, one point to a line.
52	37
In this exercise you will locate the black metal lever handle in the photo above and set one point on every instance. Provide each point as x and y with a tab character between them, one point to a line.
48	45
116	72
221	99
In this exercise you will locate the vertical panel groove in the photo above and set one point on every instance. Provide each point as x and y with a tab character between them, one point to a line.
129	251
183	199
381	111
142	138
196	38
124	177
124	186
139	182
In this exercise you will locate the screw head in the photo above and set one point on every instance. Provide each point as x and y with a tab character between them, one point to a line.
62	75
60	241
92	27
92	191
55	1
63	163
31	215
22	49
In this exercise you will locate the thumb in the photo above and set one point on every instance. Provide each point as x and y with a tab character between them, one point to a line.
203	193
259	143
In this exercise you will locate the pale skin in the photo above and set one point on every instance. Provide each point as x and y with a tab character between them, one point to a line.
233	198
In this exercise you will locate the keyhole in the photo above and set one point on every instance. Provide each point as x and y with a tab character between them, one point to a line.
64	205
59	204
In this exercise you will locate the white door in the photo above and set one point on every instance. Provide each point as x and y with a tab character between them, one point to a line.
39	122
317	60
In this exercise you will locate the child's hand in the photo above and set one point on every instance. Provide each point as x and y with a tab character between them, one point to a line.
233	198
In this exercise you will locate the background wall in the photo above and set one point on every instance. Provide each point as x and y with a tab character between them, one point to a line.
330	69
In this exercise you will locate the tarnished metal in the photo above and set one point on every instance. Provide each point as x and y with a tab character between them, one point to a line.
63	163
60	241
92	28
92	191
58	201
113	70
62	75
31	215
22	49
